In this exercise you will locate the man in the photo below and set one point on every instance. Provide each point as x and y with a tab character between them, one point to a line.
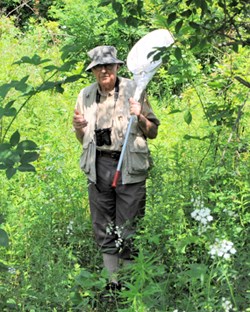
100	121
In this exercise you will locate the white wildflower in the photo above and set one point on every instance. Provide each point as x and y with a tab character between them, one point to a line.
203	216
223	249
118	231
110	228
118	242
12	270
226	305
69	230
197	202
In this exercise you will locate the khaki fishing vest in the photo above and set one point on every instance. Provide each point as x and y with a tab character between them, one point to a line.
136	157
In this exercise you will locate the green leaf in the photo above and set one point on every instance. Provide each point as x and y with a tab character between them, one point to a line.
15	138
13	158
131	21
21	85
29	157
197	3
8	110
3	267
4	155
50	68
48	85
27	145
3	167
236	47
67	50
197	271
186	13
204	7
72	78
171	18
4	146
26	168
174	111
67	66
178	26
188	117
194	42
194	25
4	240
110	22
35	60
183	243
196	137
10	172
4	89
2	220
117	7
59	88
178	54
104	3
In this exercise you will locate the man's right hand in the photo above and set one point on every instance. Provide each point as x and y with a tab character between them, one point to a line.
79	122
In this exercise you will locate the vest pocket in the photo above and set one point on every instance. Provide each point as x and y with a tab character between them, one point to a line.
138	156
86	157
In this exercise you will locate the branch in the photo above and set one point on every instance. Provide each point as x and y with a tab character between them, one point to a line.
25	3
242	81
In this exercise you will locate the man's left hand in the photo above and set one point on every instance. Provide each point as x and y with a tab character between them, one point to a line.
135	107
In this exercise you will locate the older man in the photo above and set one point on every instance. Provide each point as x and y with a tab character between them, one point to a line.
100	121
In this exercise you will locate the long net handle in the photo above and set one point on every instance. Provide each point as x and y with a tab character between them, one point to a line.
118	169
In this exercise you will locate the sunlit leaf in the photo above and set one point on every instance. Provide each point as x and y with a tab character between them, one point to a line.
174	111
188	117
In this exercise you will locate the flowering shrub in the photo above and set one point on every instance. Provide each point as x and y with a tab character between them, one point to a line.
222	248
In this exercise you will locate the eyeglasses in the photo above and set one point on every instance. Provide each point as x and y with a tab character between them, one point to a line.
106	66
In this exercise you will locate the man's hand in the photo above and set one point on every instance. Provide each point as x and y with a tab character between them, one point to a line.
79	121
148	127
135	107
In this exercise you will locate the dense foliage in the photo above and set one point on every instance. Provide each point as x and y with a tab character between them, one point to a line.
194	241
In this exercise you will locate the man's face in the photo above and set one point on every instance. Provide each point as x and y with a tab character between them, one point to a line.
106	76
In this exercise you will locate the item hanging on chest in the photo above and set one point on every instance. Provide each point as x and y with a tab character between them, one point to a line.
103	136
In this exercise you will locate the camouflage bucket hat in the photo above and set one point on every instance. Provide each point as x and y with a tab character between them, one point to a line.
103	55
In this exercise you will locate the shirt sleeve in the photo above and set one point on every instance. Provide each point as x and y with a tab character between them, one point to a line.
147	110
